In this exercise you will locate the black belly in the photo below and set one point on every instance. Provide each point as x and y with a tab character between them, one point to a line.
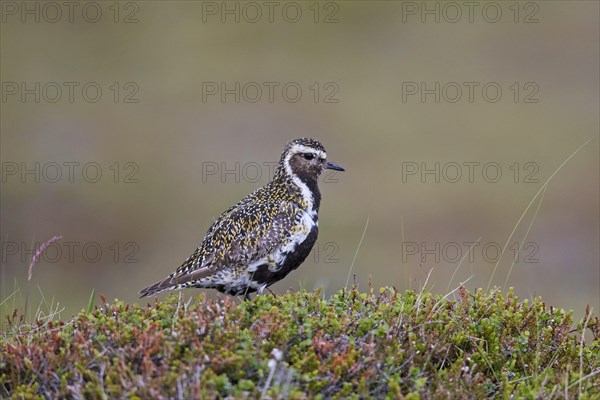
293	260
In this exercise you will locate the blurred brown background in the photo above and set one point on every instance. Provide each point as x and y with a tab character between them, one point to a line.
175	147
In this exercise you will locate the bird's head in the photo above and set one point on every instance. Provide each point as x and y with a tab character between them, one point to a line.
306	158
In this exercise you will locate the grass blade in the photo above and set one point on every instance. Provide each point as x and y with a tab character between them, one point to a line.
91	301
529	206
356	252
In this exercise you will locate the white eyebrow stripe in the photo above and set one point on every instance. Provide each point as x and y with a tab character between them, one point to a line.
299	148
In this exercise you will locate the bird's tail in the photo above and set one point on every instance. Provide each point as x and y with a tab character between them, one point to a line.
177	280
158	287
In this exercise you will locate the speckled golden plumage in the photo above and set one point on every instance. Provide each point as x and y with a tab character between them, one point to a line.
268	233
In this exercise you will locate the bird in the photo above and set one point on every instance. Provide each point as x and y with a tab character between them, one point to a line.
263	237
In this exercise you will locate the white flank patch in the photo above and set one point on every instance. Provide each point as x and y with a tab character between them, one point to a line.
277	258
305	226
252	266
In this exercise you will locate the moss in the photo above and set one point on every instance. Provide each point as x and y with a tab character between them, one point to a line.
298	345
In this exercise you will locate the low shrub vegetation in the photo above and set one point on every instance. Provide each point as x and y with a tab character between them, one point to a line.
382	344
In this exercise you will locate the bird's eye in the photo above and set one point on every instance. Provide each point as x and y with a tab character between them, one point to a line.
308	156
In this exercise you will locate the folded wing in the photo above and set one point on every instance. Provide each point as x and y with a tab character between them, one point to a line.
241	236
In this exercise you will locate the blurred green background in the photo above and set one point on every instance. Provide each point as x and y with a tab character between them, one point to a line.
166	145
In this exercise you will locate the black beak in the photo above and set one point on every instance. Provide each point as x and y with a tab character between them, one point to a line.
332	165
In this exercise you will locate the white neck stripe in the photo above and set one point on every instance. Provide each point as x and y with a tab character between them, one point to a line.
306	193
